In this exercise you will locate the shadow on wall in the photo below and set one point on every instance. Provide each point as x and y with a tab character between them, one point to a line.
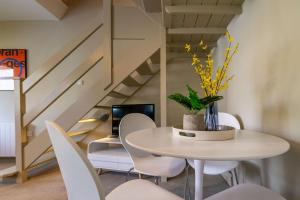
280	114
285	169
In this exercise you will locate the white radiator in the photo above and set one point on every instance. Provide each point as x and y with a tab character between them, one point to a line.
7	139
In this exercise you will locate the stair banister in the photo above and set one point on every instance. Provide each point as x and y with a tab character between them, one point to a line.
23	86
60	56
32	151
72	78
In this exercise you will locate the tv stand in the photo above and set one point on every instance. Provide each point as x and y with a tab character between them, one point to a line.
108	153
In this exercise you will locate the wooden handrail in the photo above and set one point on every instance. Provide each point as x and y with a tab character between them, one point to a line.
72	78
56	59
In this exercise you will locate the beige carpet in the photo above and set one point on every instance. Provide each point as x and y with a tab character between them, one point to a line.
49	185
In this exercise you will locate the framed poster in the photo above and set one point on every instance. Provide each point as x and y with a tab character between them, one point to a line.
12	64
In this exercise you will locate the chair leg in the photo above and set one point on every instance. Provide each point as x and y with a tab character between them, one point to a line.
231	178
236	176
99	171
189	189
186	185
163	179
156	180
128	173
140	176
186	180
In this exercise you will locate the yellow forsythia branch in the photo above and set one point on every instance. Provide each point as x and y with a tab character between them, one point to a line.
211	82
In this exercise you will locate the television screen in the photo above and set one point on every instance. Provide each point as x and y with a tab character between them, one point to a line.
119	111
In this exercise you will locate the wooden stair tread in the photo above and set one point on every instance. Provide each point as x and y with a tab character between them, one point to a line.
10	171
88	120
131	82
76	133
145	69
99	106
118	95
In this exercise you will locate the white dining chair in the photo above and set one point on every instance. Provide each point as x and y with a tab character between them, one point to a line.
246	192
144	162
220	167
82	182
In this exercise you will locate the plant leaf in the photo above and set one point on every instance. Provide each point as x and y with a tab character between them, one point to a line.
194	98
181	99
210	99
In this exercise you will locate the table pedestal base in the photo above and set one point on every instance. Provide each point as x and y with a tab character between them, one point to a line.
199	168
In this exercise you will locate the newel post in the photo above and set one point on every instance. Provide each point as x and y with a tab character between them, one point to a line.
163	64
163	79
107	58
20	130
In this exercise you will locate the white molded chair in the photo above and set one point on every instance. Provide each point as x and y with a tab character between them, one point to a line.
144	162
81	180
246	192
220	167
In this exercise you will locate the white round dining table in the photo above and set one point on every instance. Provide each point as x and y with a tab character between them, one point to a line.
246	145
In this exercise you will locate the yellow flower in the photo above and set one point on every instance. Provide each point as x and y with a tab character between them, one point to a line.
213	80
229	37
201	43
236	48
188	47
195	61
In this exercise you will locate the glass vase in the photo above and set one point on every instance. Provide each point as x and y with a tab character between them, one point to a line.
211	117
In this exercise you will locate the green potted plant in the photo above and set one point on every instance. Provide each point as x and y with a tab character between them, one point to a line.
212	79
193	104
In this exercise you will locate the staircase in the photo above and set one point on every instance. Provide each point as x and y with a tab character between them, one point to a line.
135	58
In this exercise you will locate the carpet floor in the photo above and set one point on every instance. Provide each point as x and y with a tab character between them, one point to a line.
49	185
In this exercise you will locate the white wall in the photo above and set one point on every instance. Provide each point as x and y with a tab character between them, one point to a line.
7	106
265	92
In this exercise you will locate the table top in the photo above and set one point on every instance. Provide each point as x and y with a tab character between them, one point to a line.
246	145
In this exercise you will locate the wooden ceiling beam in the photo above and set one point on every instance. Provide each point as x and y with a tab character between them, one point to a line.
181	44
178	55
192	31
204	9
165	18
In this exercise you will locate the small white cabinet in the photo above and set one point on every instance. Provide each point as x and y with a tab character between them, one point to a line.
109	153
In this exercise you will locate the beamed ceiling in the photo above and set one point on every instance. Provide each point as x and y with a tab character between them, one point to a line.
195	20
